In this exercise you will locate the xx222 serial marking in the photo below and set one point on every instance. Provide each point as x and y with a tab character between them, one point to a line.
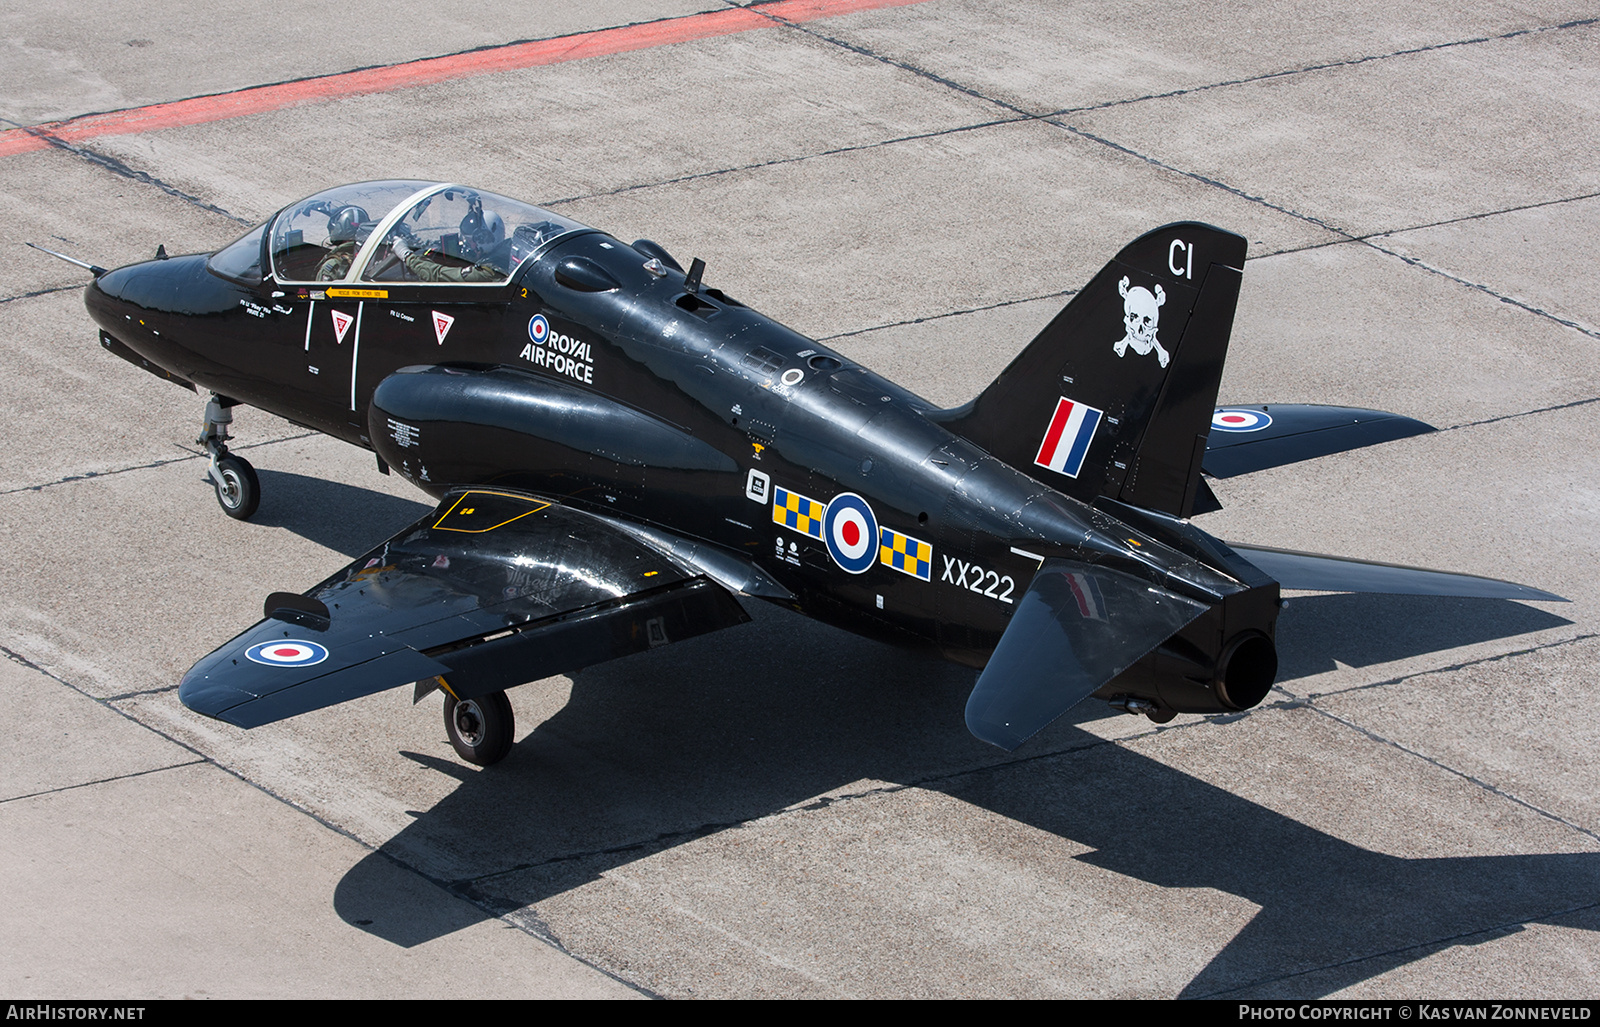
975	579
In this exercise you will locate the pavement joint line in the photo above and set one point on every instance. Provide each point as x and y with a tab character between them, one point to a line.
1310	697
488	59
948	313
1053	295
1503	298
1524	413
188	455
907	66
103	780
455	889
524	919
1023	116
124	696
1326	66
1441	765
1345	239
1424	226
1202	179
38	292
1514	208
117	167
16	657
794	159
1436	944
1063	293
448	887
1348	236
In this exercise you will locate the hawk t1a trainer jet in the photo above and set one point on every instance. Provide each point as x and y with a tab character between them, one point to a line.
618	450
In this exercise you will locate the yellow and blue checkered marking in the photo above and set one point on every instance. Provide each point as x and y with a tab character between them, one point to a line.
796	512
905	554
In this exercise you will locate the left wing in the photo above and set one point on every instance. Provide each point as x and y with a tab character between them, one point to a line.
490	590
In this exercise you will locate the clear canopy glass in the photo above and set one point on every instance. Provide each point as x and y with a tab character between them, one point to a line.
401	231
460	235
319	238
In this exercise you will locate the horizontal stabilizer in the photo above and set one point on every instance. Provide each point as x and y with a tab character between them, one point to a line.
1254	438
1312	572
1077	627
488	591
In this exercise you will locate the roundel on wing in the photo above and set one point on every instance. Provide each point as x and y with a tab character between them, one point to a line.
538	328
1229	419
851	532
288	652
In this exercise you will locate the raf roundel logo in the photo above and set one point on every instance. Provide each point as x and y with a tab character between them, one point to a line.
1240	420
538	329
289	652
851	532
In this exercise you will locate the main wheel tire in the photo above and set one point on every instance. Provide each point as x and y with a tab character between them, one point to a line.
239	494
480	729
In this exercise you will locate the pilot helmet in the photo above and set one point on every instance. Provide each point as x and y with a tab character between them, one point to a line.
345	224
481	230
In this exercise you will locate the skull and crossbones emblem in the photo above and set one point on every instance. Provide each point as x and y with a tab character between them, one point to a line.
1141	312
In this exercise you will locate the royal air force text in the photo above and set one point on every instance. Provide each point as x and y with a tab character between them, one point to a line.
564	355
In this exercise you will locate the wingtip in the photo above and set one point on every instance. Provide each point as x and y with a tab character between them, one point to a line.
1000	735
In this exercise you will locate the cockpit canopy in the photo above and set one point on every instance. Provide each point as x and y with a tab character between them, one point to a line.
397	231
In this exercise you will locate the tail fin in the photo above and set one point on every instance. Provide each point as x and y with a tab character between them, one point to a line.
1092	414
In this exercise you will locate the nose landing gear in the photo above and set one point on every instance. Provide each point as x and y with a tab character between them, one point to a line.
238	490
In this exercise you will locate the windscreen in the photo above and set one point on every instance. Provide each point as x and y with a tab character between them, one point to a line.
240	260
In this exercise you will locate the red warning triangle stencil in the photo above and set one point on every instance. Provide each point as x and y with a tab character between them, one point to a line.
341	324
441	325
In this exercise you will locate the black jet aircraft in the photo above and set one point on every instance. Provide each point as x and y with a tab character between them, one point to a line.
618	450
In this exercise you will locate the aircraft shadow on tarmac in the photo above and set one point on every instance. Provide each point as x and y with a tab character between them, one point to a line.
345	518
659	749
1364	630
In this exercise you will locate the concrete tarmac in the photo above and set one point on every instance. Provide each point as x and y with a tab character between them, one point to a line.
782	809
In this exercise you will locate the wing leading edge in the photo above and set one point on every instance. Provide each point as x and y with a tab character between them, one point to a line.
490	590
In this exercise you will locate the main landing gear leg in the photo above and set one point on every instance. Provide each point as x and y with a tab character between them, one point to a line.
238	490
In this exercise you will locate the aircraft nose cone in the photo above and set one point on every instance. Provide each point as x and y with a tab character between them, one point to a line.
112	283
130	291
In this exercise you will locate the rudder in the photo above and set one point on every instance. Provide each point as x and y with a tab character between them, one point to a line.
1115	396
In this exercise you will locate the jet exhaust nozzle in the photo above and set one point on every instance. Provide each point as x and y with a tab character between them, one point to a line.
1246	670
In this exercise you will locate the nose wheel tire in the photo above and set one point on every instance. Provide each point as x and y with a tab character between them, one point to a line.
239	491
480	729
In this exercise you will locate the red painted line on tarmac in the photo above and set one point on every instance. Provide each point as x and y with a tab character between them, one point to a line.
259	99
